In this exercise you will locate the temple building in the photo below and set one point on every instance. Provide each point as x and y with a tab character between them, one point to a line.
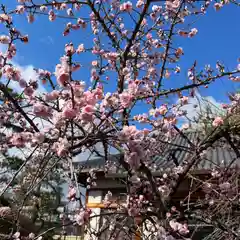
173	153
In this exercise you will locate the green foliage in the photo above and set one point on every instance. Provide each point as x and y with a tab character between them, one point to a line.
9	90
14	162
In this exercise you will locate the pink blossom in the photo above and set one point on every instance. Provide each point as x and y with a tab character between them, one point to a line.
76	67
215	173
98	93
133	160
156	8
51	15
30	18
5	18
140	3
63	79
66	32
181	228
128	132
94	63
80	48
61	147
133	88
162	110
43	8
75	26
31	235
20	139
17	116
225	186
17	140
152	71
133	211
125	99
225	106
184	100
168	214
22	83
235	78
38	138
41	110
69	49
107	198
179	51
193	32
88	109
17	235
63	6
52	95
25	39
20	9
149	36
72	194
70	12
185	126
12	73
83	216
177	69
218	121
68	112
218	6
11	51
90	98
87	113
127	6
4	39
80	218
77	6
183	33
174	225
172	5
78	88
80	21
28	91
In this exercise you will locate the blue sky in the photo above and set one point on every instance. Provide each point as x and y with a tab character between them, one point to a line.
218	39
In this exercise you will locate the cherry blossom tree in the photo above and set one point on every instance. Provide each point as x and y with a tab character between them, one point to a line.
134	47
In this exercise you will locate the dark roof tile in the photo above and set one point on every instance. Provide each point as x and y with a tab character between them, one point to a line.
215	157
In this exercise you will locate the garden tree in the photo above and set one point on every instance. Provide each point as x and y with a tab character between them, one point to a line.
40	205
204	113
135	50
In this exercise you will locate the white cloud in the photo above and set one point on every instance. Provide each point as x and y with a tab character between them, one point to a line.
47	40
198	104
3	47
27	73
87	155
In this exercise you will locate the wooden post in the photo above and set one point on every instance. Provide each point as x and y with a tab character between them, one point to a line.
94	201
138	233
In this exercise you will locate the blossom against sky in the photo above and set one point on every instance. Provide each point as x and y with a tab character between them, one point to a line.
218	38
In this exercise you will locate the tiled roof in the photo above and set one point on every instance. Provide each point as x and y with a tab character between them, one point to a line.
97	163
178	148
218	156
